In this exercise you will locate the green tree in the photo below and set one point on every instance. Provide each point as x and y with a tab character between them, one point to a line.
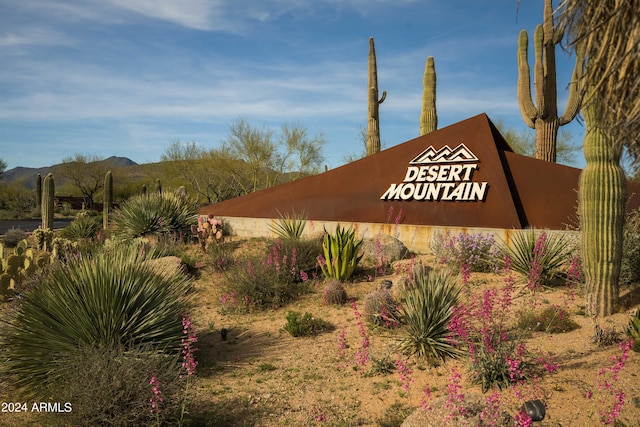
84	172
609	33
3	167
523	141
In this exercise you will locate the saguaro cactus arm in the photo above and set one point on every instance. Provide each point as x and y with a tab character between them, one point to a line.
575	89
527	108
428	115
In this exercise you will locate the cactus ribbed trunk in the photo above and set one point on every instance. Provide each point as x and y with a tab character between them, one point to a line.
38	191
373	125
428	116
108	199
543	116
602	210
48	194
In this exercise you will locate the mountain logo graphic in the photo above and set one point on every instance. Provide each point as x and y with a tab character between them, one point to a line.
445	155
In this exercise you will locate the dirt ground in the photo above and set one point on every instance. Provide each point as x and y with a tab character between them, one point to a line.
261	376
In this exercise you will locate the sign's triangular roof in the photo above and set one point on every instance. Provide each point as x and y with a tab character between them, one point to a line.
516	191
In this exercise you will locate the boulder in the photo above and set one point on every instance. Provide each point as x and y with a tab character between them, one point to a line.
383	247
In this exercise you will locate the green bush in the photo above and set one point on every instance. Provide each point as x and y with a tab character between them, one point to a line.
630	265
426	314
264	281
84	226
14	236
110	386
340	253
155	214
304	325
114	298
552	319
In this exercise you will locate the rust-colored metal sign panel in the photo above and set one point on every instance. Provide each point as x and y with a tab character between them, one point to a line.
464	175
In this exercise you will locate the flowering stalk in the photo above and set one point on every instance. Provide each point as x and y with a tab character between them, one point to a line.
156	399
188	361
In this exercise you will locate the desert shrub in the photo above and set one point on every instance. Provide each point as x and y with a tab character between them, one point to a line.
84	226
14	236
264	281
426	314
221	255
110	386
630	264
289	226
633	331
551	319
341	253
306	251
475	251
394	415
538	257
380	309
109	299
304	325
333	293
154	214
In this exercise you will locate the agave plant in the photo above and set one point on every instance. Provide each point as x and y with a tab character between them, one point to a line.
113	298
340	253
633	331
425	316
289	226
154	214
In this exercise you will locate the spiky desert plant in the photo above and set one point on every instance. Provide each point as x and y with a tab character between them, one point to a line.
633	331
543	117
341	253
84	226
38	191
113	298
602	198
289	226
334	293
48	194
108	199
425	316
373	123
429	116
154	214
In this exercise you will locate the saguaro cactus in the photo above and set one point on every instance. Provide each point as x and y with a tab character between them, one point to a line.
602	209
48	194
544	118
107	202
38	191
428	116
373	125
158	186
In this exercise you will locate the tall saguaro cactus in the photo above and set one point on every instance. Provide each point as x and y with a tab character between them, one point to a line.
428	116
373	125
107	202
544	117
602	209
48	194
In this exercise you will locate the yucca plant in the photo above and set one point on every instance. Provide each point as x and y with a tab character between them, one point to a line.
425	316
289	226
84	226
109	299
537	254
154	214
341	253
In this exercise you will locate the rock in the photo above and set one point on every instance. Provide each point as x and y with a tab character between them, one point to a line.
385	248
438	414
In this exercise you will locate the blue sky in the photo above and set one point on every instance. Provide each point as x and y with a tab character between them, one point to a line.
129	77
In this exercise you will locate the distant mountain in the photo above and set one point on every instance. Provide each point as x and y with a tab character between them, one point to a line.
28	175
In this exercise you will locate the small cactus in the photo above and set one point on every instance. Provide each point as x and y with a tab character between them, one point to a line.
334	293
108	199
381	309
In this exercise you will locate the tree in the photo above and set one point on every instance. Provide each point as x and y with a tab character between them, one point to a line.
543	117
609	33
3	167
86	173
524	142
303	151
